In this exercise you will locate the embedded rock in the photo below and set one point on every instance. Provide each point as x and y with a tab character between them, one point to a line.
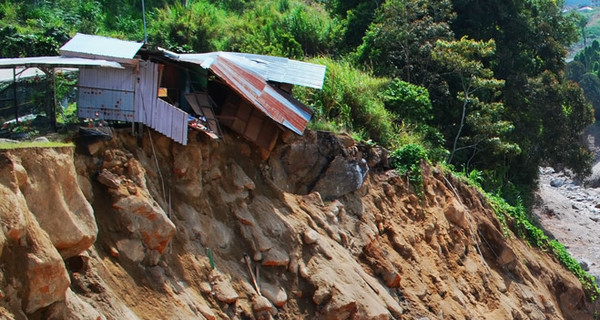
342	177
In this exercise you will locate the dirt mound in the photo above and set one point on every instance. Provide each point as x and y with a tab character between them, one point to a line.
213	231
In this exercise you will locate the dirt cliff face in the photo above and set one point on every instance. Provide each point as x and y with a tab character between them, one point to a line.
318	229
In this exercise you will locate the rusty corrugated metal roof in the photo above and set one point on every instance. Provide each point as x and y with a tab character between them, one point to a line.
249	76
91	46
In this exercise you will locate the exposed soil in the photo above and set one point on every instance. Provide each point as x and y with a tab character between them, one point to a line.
175	225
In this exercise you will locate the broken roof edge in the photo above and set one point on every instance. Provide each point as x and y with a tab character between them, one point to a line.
58	62
270	68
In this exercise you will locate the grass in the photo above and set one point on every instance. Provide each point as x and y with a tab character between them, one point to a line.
34	144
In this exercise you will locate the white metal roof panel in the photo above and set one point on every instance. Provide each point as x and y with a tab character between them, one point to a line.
85	45
58	62
270	68
6	75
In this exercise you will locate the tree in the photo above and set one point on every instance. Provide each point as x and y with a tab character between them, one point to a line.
590	84
479	93
399	41
531	37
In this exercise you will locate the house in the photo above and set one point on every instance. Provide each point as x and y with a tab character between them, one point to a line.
127	81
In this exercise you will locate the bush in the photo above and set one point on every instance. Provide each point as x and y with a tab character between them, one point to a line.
407	161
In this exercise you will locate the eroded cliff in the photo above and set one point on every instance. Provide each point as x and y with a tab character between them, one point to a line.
149	229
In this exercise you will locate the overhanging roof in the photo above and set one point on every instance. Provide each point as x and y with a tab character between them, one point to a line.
91	46
249	75
58	62
271	68
20	73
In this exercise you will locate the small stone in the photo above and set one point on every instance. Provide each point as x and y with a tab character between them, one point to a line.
109	179
205	287
132	190
303	270
41	139
224	292
206	312
261	304
310	236
275	258
257	256
392	279
322	295
275	294
114	252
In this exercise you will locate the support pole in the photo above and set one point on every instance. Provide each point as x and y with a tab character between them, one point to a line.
53	105
16	101
144	18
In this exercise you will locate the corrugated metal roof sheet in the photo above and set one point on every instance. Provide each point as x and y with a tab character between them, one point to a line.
58	62
249	75
6	75
85	45
270	68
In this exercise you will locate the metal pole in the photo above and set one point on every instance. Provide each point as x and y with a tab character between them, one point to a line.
15	95
53	107
144	18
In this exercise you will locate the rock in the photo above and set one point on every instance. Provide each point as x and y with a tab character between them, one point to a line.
456	214
205	287
274	293
310	236
54	196
41	139
392	279
131	249
261	304
341	307
109	179
239	177
95	148
341	177
146	219
322	295
207	312
584	265
72	308
275	257
346	140
223	290
47	278
557	183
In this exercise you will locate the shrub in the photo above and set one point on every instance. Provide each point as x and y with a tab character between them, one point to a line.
407	161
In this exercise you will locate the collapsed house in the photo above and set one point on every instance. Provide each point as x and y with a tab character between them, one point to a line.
171	93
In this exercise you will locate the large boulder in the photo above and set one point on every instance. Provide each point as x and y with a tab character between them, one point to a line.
37	274
49	183
341	177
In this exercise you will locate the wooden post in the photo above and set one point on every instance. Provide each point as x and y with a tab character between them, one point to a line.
16	101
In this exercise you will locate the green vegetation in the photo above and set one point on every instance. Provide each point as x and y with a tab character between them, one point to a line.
535	236
479	86
407	161
34	144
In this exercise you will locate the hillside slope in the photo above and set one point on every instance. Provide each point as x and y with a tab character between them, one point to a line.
119	230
